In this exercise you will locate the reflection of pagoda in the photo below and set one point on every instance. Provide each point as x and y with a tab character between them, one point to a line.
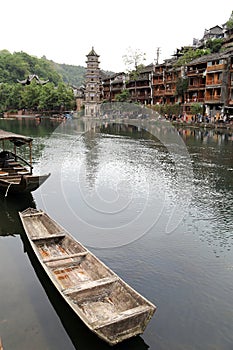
92	82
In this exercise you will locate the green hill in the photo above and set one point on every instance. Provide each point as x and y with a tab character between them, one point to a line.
19	65
72	75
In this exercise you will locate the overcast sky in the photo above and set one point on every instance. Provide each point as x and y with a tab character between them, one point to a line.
65	31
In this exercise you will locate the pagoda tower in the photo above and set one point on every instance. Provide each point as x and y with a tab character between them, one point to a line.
92	83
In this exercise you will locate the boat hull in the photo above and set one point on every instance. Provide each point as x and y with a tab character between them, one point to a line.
22	184
107	305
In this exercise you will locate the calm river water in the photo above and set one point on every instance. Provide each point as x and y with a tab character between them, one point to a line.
154	203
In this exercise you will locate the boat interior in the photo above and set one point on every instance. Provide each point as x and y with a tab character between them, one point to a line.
11	167
92	287
40	226
71	265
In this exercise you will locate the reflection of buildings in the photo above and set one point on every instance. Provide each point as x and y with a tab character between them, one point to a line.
92	90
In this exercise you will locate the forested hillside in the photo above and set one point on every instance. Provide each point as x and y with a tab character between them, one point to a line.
72	75
19	65
56	95
53	96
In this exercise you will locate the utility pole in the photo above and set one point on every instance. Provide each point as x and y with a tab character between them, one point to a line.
157	55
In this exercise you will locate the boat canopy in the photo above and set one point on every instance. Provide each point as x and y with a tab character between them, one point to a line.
16	139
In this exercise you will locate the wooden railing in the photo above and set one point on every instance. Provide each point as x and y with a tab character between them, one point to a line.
194	100
213	98
216	67
196	86
214	82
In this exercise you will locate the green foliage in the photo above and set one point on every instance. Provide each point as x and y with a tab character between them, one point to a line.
19	65
123	96
36	97
190	55
229	23
181	86
196	108
10	97
30	95
55	95
167	109
214	45
72	75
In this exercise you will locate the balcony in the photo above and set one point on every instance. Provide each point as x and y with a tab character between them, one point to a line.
216	67
213	82
195	100
158	92
116	89
215	98
196	86
157	81
143	97
195	72
170	92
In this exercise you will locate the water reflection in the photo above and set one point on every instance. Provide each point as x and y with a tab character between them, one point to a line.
9	208
217	136
178	272
212	161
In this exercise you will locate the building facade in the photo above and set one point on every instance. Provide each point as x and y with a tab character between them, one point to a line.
208	82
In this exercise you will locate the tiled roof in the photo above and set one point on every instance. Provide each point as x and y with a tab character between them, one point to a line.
93	53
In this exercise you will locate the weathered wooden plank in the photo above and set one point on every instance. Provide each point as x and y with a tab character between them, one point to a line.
58	235
33	214
1	346
90	285
122	316
64	257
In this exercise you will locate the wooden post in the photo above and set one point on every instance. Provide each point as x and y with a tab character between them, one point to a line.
15	152
1	347
30	156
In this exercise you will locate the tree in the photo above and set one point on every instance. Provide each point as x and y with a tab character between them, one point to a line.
31	95
133	59
181	87
190	55
214	44
56	98
196	108
229	23
48	98
123	96
10	97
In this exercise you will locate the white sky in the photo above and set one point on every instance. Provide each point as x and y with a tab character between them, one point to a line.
65	31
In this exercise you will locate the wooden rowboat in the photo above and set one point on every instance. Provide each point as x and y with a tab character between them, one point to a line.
103	301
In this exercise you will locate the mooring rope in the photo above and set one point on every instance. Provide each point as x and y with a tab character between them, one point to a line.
8	189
